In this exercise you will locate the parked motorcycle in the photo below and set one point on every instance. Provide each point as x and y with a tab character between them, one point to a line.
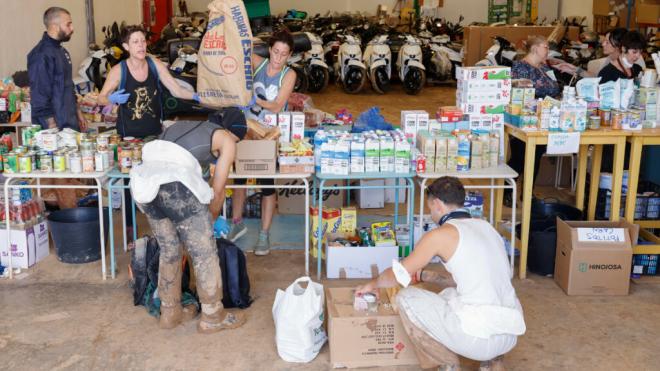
352	73
501	53
443	58
411	70
378	61
316	68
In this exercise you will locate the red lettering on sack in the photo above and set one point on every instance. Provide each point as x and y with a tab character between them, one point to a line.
214	41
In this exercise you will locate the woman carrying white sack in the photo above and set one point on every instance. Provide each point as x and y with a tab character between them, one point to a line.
481	318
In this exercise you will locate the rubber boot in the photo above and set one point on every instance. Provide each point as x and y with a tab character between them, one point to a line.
218	320
169	290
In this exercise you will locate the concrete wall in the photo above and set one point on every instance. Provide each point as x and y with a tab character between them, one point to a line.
106	12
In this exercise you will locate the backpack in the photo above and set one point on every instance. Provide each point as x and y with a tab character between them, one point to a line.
235	281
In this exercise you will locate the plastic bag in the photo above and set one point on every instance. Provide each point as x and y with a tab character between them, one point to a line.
371	119
225	56
298	315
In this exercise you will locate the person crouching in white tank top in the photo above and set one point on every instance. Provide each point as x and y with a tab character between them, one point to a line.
477	315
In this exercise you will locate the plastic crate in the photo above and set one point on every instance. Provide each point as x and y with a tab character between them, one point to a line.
257	8
644	264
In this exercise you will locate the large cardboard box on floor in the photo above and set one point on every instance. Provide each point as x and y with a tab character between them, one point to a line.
28	246
292	201
594	258
256	157
360	340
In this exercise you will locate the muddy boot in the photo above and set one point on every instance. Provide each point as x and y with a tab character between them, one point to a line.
169	290
190	312
215	318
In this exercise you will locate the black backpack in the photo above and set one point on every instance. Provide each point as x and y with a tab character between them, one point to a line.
235	281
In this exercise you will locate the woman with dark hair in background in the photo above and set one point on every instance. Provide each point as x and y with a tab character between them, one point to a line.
624	67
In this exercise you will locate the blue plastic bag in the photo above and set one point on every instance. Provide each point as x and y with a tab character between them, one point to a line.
371	119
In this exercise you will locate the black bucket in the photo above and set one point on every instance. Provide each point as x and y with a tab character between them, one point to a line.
76	235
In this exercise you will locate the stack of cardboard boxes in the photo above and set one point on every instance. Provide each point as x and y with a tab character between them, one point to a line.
482	94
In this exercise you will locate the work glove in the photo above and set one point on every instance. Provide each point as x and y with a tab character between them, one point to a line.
220	227
196	98
119	97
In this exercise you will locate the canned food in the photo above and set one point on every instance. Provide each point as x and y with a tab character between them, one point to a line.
125	154
33	160
114	139
634	120
87	161
75	162
10	162
59	162
102	142
46	162
137	155
86	145
594	122
605	117
618	118
25	164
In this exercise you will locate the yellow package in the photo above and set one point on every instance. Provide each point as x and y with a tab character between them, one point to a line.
383	234
348	219
330	223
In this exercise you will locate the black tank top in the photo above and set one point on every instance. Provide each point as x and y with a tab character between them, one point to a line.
140	116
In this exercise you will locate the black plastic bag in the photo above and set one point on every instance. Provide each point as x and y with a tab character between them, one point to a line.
235	281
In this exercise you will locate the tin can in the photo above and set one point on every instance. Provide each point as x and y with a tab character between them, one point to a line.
25	163
75	162
45	162
87	159
10	162
618	118
137	155
86	145
605	117
594	122
125	154
98	161
59	162
114	139
34	159
634	120
102	142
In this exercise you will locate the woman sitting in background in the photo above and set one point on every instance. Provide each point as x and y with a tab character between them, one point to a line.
624	67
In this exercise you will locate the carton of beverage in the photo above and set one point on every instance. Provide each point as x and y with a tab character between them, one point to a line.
409	124
386	154
434	125
452	152
297	125
341	156
284	123
463	153
440	154
357	156
270	119
494	148
517	96
327	157
422	120
402	156
372	155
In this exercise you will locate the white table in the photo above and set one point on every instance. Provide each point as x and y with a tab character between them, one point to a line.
98	177
501	172
304	177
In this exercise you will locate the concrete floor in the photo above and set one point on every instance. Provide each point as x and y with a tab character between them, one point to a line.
64	317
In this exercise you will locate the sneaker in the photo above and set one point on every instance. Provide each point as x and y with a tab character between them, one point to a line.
263	244
237	231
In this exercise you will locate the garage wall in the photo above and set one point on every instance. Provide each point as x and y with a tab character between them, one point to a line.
106	12
569	8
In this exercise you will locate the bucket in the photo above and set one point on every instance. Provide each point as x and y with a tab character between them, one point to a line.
75	233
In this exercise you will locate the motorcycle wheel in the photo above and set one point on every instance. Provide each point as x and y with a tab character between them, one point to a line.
414	81
302	82
318	78
380	82
354	80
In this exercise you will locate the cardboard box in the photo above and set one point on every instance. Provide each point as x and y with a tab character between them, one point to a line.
594	258
372	198
390	192
360	340
648	11
296	164
483	73
256	157
483	108
356	262
292	201
28	246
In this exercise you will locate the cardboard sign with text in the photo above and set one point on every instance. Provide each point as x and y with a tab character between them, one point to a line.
292	201
360	340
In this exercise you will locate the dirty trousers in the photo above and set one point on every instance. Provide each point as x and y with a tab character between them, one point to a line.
430	352
175	217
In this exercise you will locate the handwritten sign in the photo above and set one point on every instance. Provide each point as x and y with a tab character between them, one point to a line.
561	143
601	235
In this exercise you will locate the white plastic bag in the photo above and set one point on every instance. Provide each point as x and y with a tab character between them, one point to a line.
298	315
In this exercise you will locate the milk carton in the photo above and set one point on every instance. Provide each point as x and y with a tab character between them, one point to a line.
297	125
270	119
422	121
372	155
327	157
386	154
357	156
284	123
341	157
452	152
440	154
409	124
402	156
434	126
463	153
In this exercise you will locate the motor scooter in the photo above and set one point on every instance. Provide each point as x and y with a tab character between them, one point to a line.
411	70
378	61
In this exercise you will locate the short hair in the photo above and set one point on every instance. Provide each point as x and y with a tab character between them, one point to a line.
633	40
282	36
129	30
449	190
533	40
52	13
616	36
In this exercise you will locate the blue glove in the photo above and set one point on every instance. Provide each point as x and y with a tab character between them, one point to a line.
220	227
196	98
119	97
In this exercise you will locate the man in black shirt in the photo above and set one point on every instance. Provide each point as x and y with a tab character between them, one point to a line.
49	69
625	67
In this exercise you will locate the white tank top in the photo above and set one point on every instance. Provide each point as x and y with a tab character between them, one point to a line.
480	266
